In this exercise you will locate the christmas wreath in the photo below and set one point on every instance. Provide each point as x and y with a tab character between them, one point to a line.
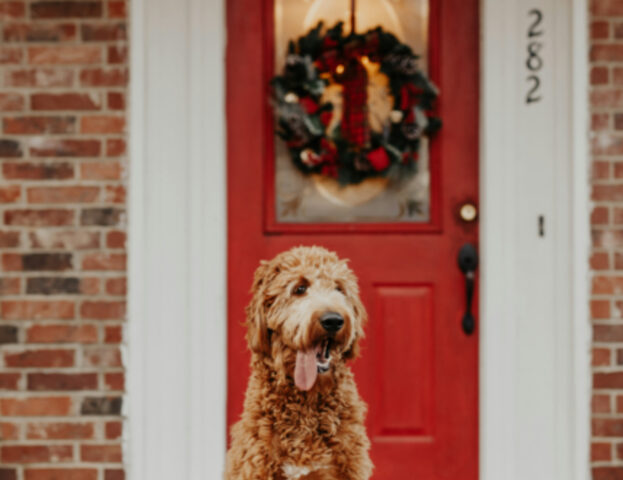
353	106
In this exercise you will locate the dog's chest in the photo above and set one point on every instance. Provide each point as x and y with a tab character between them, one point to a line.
305	440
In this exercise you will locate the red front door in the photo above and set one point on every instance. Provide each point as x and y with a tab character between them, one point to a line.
418	370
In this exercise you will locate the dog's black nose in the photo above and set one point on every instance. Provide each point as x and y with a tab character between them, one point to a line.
332	322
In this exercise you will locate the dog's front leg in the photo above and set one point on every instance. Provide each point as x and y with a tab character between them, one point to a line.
351	458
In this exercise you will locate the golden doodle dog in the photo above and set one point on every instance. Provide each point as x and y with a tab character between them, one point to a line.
303	418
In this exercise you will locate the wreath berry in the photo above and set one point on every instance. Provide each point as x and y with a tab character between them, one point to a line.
353	136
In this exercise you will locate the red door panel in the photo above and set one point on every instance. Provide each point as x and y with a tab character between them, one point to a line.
418	370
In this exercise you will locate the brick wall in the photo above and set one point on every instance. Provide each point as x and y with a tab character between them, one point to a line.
63	87
606	76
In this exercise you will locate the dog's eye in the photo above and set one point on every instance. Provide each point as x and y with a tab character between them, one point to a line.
300	289
339	288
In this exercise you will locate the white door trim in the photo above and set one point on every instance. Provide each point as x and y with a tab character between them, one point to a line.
177	330
535	337
177	234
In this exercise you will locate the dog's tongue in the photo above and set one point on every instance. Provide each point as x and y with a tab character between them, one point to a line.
305	370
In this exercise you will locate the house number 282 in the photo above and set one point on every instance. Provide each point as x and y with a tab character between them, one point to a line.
534	62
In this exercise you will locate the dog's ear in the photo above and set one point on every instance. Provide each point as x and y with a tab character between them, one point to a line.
361	318
258	335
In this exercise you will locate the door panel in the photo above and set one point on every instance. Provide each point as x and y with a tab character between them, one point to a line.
418	371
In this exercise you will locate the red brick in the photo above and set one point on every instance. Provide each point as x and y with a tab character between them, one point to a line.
37	171
599	216
116	474
600	309
117	54
11	55
60	474
115	381
39	77
11	102
599	75
9	286
101	453
39	125
606	144
600	404
608	333
65	101
600	170
10	194
61	381
35	406
607	8
115	147
115	194
599	30
599	261
8	473
9	431
601	451
116	239
39	32
608	380
104	261
609	193
102	124
114	430
10	10
10	149
607	473
11	262
116	286
99	77
73	194
600	357
37	309
607	427
64	55
47	358
116	101
36	453
59	431
51	147
113	334
101	357
65	239
39	218
66	9
108	170
62	334
9	239
103	310
9	381
606	53
619	404
90	286
103	32
117	9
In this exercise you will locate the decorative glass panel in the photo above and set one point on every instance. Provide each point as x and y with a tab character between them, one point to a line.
314	198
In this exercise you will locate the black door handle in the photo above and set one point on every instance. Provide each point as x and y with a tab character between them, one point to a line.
468	262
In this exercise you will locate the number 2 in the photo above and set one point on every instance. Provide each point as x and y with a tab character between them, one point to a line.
531	95
532	31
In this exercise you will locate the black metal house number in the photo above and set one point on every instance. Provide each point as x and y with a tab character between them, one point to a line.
534	62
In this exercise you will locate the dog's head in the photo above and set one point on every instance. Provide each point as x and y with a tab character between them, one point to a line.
305	313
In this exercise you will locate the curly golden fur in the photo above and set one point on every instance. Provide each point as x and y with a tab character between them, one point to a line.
287	433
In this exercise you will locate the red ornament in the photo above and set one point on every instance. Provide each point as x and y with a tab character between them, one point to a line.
309	105
379	159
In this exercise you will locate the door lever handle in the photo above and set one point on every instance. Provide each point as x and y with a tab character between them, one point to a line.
468	262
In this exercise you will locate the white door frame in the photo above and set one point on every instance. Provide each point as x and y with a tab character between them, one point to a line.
535	337
176	355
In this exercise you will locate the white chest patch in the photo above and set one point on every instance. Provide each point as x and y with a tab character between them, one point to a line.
294	472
